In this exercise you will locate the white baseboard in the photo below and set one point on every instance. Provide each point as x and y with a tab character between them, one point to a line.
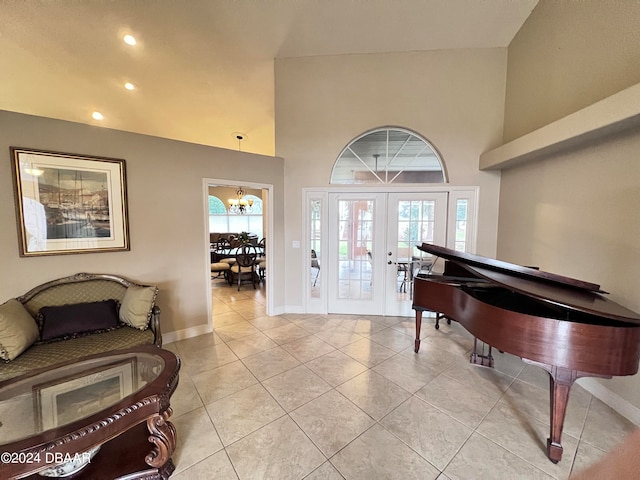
615	401
279	311
293	309
186	333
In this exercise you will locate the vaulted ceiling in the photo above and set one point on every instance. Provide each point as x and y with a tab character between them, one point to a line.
203	69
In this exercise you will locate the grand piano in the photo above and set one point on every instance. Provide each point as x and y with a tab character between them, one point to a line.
563	325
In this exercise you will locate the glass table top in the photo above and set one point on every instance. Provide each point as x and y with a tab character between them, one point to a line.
59	396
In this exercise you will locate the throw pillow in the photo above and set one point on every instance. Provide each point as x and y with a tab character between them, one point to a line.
135	309
68	321
18	329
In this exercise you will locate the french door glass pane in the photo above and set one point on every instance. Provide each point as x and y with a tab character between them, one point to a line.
355	243
462	212
416	223
315	252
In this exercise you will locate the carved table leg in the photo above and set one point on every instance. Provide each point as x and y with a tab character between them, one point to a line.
163	436
418	327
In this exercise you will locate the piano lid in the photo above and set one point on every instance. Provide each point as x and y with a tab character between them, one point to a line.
548	287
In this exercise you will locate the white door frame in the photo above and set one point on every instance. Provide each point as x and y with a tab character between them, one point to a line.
470	193
267	219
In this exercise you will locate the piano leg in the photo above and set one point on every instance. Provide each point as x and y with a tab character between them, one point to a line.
416	346
560	381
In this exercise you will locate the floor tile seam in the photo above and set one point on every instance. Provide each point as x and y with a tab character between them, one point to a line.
229	394
342	383
410	338
207	347
285	414
220	331
350	442
441	409
586	418
377	422
373	369
370	367
307	435
519	456
206	410
256	353
298	366
276	374
226	447
308	336
444	412
331	387
290	340
466	384
231	463
208	369
304	362
444	470
352	340
413	449
379	344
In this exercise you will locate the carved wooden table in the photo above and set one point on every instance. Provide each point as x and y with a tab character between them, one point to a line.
106	415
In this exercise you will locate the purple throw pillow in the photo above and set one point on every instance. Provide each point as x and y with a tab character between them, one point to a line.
68	321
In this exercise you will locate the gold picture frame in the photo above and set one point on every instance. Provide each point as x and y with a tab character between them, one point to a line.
69	203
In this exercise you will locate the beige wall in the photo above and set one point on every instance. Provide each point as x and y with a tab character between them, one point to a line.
169	241
575	213
453	98
568	55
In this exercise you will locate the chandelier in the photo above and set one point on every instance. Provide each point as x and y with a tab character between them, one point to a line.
240	205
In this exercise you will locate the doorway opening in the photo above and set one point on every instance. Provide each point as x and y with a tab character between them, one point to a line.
257	222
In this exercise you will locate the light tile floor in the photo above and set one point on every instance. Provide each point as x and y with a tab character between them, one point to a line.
335	396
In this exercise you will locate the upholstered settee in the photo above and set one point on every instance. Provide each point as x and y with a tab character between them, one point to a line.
76	316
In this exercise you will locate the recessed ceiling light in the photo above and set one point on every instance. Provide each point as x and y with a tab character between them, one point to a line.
129	40
129	86
97	116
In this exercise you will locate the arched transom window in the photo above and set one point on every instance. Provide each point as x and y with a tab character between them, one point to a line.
388	155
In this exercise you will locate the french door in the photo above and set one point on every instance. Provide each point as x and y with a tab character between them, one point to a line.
372	255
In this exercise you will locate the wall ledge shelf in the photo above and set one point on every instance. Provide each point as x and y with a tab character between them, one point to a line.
605	117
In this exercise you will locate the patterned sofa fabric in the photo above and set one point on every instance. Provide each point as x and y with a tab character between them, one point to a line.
78	289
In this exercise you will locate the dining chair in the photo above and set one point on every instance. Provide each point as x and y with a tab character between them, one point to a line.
245	267
262	259
224	252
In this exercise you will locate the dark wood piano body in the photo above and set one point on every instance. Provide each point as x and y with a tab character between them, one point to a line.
563	325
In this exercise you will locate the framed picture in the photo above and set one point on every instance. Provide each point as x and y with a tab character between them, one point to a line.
67	203
71	398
